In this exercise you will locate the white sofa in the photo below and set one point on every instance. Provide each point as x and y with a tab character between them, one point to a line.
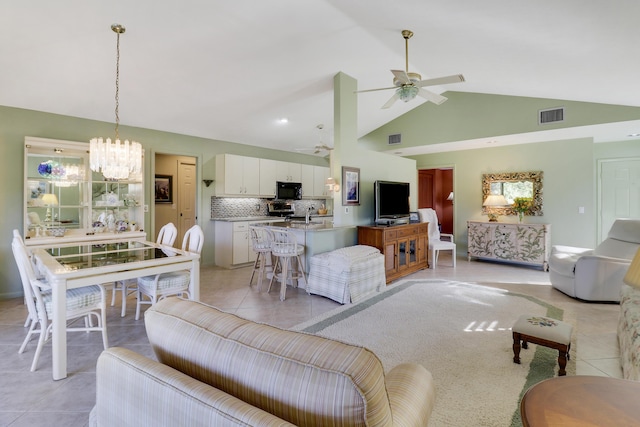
596	274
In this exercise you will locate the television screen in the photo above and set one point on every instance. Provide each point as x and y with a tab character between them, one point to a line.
392	199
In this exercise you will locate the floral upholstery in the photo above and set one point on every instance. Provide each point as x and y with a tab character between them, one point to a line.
629	332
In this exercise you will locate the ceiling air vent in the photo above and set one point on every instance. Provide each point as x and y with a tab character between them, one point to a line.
395	139
552	115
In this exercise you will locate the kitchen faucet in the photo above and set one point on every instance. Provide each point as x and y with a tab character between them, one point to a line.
306	218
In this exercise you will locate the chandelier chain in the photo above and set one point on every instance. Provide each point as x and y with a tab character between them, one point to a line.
117	85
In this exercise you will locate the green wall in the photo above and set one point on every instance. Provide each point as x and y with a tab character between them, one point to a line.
16	123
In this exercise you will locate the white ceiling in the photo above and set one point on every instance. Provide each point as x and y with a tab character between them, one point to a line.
228	70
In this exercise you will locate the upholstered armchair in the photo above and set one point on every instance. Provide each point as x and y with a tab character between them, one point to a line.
596	274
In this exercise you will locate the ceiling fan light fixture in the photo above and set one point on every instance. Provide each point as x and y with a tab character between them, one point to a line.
407	93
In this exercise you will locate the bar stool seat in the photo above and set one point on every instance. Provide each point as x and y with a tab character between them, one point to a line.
261	240
285	249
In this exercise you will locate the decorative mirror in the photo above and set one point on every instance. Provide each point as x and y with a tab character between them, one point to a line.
512	185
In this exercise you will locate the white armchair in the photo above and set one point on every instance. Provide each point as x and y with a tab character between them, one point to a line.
596	274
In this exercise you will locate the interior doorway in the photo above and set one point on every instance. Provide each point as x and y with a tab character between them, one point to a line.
181	206
435	190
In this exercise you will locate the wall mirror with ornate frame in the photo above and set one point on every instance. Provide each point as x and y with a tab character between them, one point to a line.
512	185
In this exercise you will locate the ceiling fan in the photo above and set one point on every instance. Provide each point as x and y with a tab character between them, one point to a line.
409	85
320	147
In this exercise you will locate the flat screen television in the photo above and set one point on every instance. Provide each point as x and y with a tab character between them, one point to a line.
391	202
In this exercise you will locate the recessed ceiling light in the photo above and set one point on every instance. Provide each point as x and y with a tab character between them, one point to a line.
633	135
283	120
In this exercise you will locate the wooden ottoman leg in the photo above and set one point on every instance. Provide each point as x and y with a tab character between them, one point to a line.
516	347
563	355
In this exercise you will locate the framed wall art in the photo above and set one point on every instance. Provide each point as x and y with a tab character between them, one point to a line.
164	189
350	186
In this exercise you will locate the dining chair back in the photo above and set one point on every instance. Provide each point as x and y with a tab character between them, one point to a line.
86	303
436	242
166	236
152	289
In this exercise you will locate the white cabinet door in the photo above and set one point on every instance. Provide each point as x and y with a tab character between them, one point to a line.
320	175
237	175
306	178
288	172
268	177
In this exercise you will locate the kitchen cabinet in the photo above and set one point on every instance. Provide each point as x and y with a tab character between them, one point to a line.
320	175
268	177
528	244
306	178
60	190
405	247
237	175
288	172
233	247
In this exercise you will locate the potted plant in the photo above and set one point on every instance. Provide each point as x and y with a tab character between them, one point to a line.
522	205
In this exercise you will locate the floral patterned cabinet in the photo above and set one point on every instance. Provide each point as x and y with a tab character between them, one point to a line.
518	243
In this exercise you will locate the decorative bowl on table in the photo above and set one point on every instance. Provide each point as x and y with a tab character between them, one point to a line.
56	231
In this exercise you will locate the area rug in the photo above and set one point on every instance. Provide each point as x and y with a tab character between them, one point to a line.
461	333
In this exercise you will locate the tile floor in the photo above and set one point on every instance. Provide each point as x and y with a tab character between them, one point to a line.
34	399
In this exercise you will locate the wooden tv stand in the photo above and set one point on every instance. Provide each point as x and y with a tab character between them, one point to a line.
405	247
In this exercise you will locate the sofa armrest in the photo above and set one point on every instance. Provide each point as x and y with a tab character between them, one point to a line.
570	250
134	390
411	393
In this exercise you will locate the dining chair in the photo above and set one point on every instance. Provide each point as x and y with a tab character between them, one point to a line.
18	236
285	248
86	303
166	236
261	240
436	244
159	286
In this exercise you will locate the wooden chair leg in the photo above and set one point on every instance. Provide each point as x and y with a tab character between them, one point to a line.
516	347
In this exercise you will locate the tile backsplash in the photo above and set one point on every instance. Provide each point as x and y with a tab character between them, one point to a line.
229	207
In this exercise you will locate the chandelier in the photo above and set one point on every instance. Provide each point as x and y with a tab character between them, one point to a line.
115	159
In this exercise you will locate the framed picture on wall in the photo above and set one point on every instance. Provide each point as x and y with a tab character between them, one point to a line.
164	189
350	186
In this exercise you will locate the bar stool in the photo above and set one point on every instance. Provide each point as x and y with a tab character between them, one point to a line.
285	248
261	239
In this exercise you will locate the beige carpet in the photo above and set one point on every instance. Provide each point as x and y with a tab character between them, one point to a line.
458	331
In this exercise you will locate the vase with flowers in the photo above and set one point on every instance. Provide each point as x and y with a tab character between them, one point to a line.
522	205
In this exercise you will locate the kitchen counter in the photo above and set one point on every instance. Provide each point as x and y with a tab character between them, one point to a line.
262	218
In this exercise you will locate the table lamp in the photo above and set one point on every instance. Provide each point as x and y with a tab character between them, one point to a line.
493	201
632	278
49	199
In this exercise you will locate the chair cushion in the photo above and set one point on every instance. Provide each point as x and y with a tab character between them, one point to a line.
175	279
544	327
87	296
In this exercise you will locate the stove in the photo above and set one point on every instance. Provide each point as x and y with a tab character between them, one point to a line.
281	209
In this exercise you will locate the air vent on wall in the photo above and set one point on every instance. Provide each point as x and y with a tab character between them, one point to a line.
395	139
552	115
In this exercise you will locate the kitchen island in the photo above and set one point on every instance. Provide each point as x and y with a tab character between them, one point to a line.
233	241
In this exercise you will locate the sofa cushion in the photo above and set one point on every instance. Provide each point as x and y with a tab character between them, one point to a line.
301	378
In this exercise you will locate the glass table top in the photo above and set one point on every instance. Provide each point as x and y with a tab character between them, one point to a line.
75	257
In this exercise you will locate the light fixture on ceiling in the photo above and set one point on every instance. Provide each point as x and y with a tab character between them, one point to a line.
494	201
118	159
407	93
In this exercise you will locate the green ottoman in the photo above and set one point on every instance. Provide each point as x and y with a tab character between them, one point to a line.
544	331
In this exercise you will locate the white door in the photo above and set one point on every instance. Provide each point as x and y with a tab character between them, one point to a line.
619	192
186	198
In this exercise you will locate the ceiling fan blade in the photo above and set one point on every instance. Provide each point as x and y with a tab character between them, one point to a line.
401	76
392	100
458	78
373	90
431	96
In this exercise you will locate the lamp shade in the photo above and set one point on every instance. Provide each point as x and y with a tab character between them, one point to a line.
495	200
450	197
49	199
632	278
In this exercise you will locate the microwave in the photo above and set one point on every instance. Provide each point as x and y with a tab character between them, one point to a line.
288	190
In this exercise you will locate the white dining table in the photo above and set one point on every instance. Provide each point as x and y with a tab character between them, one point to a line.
74	265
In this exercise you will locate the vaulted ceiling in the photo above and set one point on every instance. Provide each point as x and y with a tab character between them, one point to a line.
229	70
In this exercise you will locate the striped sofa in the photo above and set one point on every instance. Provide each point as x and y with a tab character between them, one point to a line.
218	369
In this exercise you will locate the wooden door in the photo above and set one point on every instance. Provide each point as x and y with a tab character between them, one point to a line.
186	198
